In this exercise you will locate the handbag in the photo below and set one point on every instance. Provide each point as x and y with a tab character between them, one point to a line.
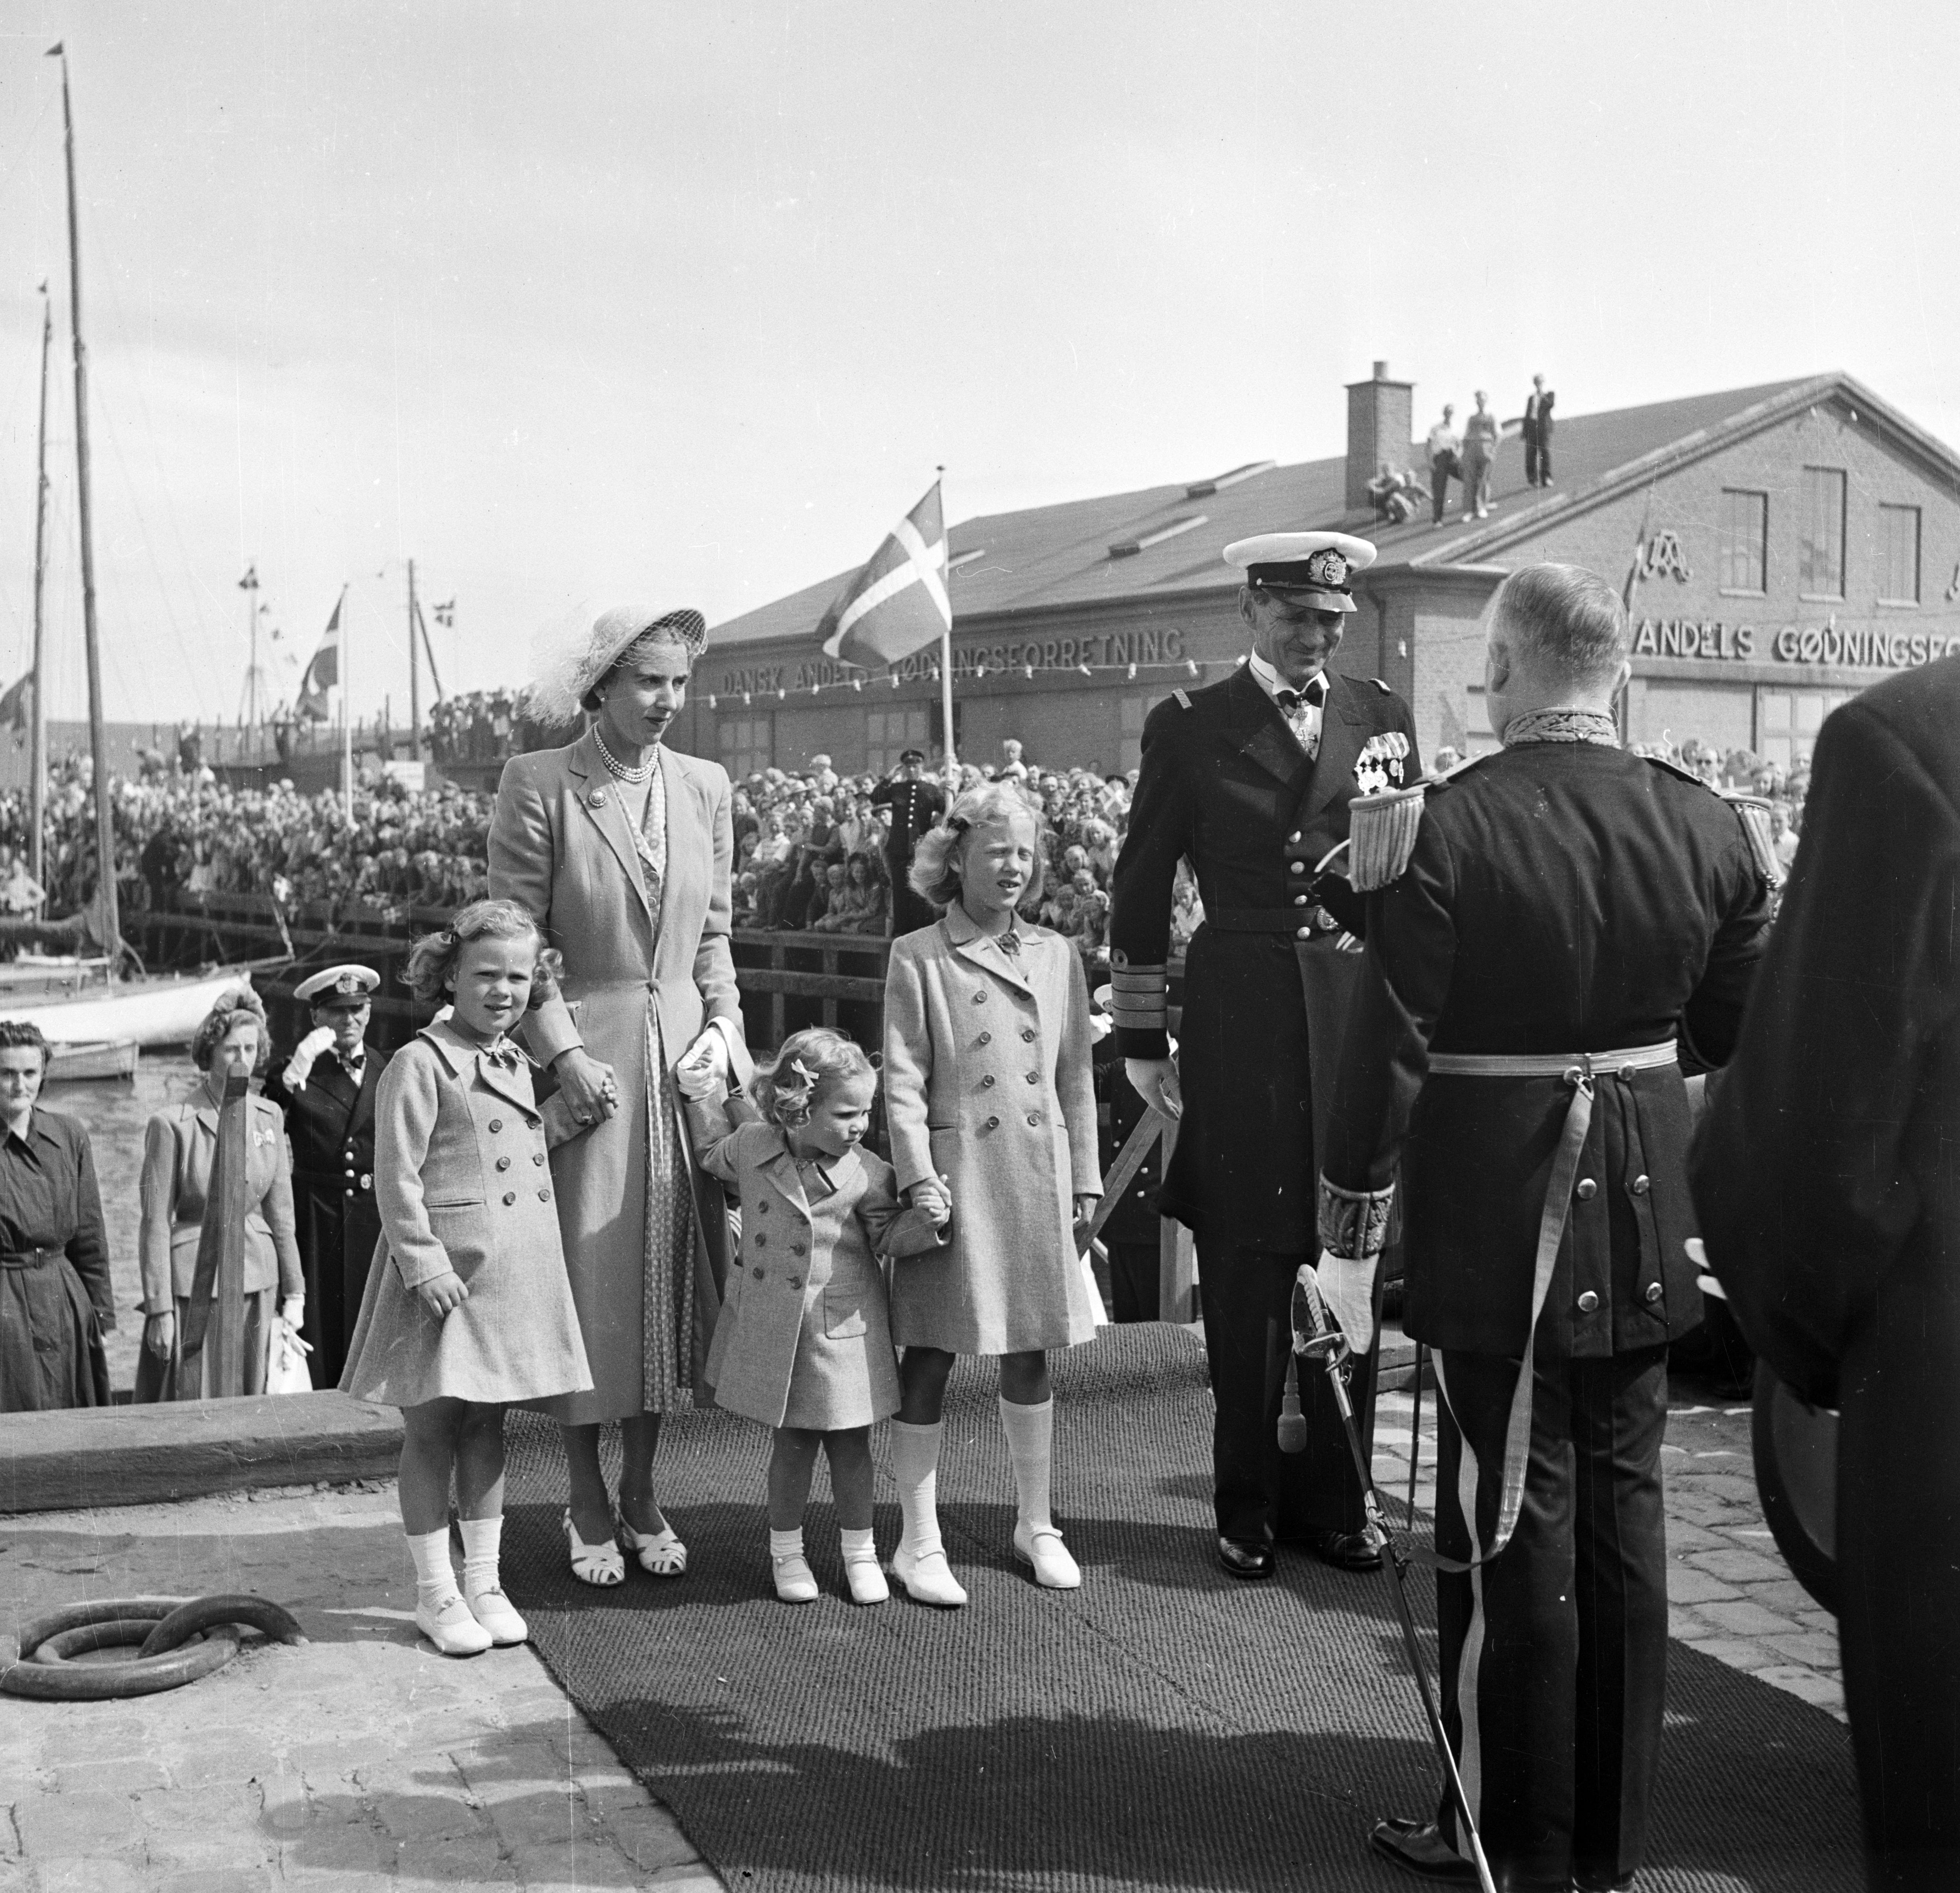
287	1372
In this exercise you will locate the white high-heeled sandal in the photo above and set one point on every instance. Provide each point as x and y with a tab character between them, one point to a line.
598	1564
660	1553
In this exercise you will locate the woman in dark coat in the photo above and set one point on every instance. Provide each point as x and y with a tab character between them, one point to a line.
55	1301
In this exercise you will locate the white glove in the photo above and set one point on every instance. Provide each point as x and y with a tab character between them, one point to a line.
299	1068
697	1083
1348	1289
292	1311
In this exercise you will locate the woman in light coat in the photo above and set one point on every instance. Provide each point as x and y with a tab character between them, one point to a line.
622	851
179	1145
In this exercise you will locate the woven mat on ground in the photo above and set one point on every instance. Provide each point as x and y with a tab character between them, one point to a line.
1163	1726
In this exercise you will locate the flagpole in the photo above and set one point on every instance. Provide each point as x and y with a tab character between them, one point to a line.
37	753
346	709
945	648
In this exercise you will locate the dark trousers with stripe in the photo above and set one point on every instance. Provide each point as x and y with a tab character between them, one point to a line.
1553	1655
1246	1297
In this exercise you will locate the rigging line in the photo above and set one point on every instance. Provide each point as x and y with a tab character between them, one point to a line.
26	148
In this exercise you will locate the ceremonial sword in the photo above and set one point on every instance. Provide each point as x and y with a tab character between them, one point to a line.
1313	1333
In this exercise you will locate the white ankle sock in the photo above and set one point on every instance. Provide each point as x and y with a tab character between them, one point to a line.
915	1467
481	1539
1030	1445
786	1544
435	1578
858	1547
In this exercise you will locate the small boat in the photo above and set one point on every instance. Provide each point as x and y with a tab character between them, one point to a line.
156	1010
32	976
104	1058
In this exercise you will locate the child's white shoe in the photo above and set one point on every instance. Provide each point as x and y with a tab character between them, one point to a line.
1041	1546
796	1583
451	1628
927	1578
498	1615
867	1581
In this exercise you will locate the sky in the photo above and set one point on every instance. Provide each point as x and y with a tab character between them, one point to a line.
575	304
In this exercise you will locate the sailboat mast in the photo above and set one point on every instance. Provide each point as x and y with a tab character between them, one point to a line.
37	791
110	926
414	676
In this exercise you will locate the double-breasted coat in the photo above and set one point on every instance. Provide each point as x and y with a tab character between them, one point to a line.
805	1336
330	1127
987	1081
464	1184
561	845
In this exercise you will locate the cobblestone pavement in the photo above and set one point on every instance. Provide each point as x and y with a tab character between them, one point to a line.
361	1759
1729	1592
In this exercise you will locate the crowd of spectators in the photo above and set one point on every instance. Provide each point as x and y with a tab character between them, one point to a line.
475	728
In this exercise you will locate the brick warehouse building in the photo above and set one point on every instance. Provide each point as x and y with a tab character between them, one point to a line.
1801	540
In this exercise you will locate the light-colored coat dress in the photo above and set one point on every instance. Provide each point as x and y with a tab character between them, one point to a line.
463	1182
805	1336
988	1082
179	1146
562	846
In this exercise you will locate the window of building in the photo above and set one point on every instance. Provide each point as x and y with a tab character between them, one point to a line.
889	734
1787	722
747	744
1133	710
1820	552
1899	555
1744	535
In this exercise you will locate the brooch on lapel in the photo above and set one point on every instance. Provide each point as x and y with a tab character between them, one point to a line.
1379	764
596	799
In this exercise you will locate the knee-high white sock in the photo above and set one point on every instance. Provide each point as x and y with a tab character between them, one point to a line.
915	1467
435	1578
481	1539
1031	1444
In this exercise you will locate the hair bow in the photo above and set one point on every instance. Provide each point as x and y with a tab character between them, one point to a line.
802	1071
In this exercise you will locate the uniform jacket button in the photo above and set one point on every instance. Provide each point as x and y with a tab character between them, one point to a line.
986	1080
1588	1302
1299	900
1653	1291
1299	868
1306	933
496	1124
1639	1186
993	1124
1294	836
985	1039
795	1281
1587	1190
510	1197
503	1163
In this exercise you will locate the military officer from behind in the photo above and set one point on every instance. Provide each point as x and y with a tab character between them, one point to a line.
1251	779
915	805
326	1087
1568	909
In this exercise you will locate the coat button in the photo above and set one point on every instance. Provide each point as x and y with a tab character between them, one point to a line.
761	1240
544	1196
979	999
1299	868
1639	1186
757	1272
496	1124
795	1281
1028	1036
986	1080
763	1206
510	1197
993	1124
985	1039
1034	1077
503	1163
537	1156
1587	1190
797	1248
1588	1302
1032	1118
1653	1291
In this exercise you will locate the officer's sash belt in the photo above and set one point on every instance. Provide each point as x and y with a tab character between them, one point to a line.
1581	1071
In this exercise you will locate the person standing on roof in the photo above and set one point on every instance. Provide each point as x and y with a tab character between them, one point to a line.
1481	434
1538	434
1444	465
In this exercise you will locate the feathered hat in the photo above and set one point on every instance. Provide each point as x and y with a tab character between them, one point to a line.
568	665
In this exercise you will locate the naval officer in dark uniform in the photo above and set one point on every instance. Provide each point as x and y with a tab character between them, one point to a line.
1569	909
1251	779
1830	1201
915	804
326	1088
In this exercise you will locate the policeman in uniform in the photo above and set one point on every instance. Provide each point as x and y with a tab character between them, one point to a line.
326	1088
1569	909
1251	779
1830	1200
915	804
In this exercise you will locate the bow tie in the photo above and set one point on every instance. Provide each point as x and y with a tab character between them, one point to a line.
355	1063
1312	698
506	1055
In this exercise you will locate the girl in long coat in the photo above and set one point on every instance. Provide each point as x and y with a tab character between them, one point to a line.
622	850
804	1343
990	1096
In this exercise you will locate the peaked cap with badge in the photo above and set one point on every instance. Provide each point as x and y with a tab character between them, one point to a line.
1225	782
339	986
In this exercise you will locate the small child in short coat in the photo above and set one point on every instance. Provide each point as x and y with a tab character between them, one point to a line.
468	1306
804	1342
989	1093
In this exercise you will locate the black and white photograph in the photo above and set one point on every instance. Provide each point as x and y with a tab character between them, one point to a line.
982	949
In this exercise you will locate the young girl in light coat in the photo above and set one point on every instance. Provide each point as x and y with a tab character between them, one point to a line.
804	1343
991	1097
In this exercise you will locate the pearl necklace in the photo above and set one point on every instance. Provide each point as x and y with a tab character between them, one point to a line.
642	773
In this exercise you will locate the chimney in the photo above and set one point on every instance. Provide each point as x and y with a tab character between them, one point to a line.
1381	426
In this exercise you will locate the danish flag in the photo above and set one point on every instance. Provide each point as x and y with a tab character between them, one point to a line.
898	603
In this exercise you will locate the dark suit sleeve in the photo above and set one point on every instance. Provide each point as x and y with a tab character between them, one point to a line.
1802	1176
1158	835
1714	1016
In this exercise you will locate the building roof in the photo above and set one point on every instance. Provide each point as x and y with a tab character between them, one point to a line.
1163	542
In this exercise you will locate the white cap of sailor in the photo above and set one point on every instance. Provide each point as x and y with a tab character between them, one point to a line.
1308	570
348	986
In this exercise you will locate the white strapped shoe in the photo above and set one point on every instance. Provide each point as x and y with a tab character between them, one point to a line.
451	1627
1041	1546
796	1583
927	1578
661	1553
498	1615
600	1564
